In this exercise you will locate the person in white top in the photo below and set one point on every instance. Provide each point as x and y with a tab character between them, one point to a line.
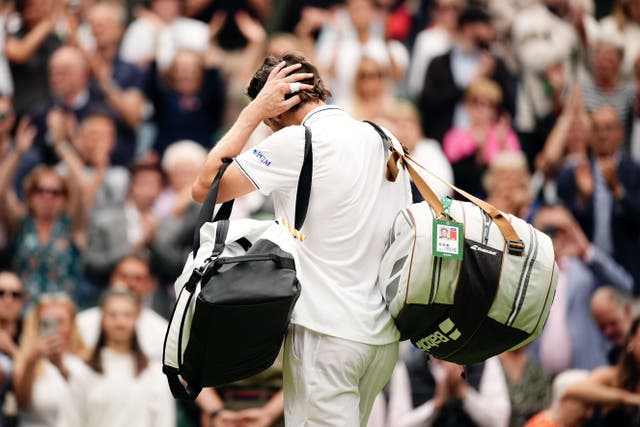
120	386
343	344
132	272
160	32
51	351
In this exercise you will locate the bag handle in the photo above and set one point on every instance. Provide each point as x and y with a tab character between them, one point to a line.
302	195
515	244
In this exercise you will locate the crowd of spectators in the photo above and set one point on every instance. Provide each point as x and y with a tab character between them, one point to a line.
108	108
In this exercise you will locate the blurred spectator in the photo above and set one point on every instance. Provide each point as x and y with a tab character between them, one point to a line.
529	386
449	75
105	184
470	148
12	298
615	387
606	86
404	123
159	32
507	184
565	411
7	121
602	193
432	392
433	41
133	273
566	144
6	82
121	387
175	209
371	96
356	31
51	351
126	228
570	338
190	104
117	82
48	230
29	47
548	40
624	25
635	129
611	310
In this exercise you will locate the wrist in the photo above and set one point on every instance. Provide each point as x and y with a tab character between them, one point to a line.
251	115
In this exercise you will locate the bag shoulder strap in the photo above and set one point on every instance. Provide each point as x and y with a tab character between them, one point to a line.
302	196
515	245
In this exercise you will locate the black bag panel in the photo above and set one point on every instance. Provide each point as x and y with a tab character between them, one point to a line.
444	330
218	351
234	282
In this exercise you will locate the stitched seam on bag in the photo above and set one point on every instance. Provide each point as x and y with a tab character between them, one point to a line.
526	283
522	274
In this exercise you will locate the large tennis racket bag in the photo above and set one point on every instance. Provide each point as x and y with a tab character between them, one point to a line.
495	299
235	295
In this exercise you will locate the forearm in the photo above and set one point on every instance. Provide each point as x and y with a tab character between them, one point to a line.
128	104
229	146
20	51
23	380
10	213
594	393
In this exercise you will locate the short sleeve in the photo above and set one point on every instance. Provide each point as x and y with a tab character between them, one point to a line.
275	163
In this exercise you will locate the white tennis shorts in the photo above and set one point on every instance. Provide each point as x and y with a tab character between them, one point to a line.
330	381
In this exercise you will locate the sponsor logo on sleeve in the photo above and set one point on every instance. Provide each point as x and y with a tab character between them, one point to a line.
261	157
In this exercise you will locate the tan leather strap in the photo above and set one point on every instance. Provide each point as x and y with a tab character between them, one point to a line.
515	244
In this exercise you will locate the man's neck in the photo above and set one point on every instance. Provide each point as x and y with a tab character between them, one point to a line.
296	117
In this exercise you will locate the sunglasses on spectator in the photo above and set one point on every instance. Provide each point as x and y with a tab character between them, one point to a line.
484	102
367	75
14	294
55	192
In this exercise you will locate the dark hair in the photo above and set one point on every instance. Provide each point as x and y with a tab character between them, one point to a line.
318	93
141	360
472	15
628	366
146	166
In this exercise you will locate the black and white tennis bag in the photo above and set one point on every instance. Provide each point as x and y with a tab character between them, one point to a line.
496	298
235	295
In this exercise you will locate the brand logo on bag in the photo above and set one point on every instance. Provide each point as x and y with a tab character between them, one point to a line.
481	249
448	332
261	157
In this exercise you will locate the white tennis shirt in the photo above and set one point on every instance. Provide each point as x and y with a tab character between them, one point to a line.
351	210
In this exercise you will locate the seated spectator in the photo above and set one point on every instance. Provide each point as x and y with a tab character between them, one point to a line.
433	41
118	83
51	351
624	24
133	273
159	32
356	31
615	387
570	338
602	192
190	104
449	75
29	47
105	185
175	209
121	386
404	123
12	298
371	96
606	86
124	229
565	411
529	386
507	184
48	229
611	310
472	147
433	392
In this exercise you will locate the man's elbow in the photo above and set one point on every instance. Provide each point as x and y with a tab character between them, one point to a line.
198	192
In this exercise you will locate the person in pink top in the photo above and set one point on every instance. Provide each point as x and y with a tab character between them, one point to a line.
472	147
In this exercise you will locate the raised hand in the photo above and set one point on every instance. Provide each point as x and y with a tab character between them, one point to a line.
25	134
250	28
216	24
584	179
271	101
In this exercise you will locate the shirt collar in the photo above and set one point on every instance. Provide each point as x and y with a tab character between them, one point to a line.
318	111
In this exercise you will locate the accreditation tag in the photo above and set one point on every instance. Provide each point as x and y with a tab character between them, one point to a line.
448	237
